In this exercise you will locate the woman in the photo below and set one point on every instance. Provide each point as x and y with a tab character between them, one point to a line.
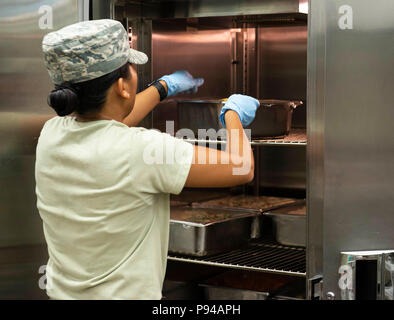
105	207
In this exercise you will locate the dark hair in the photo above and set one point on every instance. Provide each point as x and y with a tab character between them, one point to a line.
87	96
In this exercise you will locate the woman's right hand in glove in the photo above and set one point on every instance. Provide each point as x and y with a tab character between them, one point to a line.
244	106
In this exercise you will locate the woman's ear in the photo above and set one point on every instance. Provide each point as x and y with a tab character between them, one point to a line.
121	88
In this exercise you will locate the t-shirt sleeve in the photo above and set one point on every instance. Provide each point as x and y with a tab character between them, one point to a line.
163	162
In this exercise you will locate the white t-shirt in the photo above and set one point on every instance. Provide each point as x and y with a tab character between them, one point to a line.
105	206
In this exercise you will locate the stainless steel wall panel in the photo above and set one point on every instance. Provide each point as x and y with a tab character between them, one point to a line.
203	53
315	136
283	167
23	77
358	132
282	66
103	9
24	87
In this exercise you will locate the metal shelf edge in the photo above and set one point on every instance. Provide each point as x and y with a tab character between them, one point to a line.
253	143
236	266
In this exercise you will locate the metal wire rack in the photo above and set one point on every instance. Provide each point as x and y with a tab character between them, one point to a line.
297	137
260	255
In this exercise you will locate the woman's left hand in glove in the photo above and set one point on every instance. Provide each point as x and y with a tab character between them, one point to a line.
181	82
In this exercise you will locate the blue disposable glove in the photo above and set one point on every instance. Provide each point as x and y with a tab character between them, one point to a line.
244	106
181	82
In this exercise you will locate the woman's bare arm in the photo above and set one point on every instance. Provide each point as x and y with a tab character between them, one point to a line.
145	102
234	166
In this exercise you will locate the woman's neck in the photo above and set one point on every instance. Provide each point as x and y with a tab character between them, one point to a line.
91	117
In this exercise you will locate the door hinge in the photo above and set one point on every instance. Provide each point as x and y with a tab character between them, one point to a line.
315	288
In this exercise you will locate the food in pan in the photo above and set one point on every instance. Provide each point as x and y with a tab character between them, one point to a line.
202	216
261	203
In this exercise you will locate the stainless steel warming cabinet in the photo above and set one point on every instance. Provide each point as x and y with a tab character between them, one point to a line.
317	221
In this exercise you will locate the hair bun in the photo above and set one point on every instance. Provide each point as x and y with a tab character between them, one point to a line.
64	100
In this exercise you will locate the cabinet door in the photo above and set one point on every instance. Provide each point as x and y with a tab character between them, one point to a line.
24	87
350	132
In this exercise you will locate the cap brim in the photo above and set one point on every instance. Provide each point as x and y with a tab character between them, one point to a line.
137	57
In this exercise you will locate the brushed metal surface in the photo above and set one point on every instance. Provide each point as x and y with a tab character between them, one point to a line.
358	158
288	225
204	53
204	231
282	166
209	8
315	136
24	87
282	67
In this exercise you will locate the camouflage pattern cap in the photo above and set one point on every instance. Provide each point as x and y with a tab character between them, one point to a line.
88	50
